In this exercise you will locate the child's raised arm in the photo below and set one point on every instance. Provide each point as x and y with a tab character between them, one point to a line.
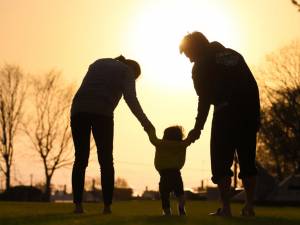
188	141
153	138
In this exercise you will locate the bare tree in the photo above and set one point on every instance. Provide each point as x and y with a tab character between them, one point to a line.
296	3
92	183
49	129
12	96
279	137
121	183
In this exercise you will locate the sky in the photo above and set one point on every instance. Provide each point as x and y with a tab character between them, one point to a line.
67	36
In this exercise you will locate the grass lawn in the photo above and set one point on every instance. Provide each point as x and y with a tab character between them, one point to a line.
139	213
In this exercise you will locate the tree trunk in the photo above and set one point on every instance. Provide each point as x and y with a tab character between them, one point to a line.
7	185
7	175
278	171
277	166
47	194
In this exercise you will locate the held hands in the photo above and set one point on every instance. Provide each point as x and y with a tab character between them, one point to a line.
194	135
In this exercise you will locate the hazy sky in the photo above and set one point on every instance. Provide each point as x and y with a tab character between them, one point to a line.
41	35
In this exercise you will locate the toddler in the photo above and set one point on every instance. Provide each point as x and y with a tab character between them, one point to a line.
169	159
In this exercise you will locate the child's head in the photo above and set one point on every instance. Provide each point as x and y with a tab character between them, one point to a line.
174	133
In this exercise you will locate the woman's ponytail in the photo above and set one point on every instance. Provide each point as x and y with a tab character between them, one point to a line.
121	59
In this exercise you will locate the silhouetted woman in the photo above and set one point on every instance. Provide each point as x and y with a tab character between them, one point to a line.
105	82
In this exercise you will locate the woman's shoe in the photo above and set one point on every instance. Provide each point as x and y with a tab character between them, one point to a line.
247	212
106	210
78	209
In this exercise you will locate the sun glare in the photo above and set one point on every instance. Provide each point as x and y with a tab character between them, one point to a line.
158	32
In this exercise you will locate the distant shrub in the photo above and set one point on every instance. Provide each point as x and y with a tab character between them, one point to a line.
22	193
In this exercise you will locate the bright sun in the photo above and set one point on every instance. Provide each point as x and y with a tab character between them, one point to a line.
159	30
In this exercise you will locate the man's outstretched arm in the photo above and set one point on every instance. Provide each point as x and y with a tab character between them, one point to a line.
203	109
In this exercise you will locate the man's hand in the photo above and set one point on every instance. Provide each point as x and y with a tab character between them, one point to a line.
194	135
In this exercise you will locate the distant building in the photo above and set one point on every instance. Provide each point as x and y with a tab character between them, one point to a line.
265	184
287	191
188	193
269	191
120	194
123	194
193	195
94	195
150	194
61	196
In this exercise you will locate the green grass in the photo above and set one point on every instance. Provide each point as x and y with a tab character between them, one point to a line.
139	213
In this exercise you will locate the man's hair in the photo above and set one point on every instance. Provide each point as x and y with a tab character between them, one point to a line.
175	133
134	66
193	41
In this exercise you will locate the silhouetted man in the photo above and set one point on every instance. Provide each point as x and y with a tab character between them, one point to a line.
222	78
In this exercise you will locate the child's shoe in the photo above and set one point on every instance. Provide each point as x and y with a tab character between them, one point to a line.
247	212
167	212
181	210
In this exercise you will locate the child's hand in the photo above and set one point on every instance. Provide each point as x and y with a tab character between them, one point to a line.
188	140
149	128
152	136
194	135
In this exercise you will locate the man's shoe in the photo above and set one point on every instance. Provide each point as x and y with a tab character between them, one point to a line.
220	212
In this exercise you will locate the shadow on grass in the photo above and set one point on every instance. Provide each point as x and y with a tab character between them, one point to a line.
208	220
94	218
91	219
